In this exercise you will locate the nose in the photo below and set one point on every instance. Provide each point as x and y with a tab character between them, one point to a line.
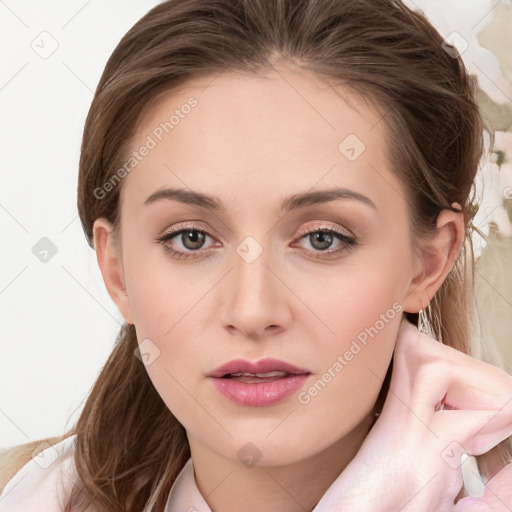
255	302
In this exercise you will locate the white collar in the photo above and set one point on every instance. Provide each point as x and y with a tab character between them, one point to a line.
184	495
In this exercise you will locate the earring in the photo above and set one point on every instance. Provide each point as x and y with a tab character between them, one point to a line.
422	321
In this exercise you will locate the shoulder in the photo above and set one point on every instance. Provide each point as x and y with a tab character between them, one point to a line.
37	476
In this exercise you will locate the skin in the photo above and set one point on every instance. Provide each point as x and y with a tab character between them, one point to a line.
251	141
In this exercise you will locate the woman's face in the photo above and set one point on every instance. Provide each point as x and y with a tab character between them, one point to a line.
262	281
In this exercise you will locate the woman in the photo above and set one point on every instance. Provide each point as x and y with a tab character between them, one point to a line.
275	191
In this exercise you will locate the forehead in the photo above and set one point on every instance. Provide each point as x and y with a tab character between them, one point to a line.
238	133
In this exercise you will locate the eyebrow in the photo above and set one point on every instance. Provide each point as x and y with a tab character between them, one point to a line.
290	203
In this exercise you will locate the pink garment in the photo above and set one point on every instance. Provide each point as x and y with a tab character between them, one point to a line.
184	495
47	479
43	484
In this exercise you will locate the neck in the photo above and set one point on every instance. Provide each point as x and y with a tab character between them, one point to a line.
229	486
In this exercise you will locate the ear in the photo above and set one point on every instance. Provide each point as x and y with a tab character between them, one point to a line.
111	266
437	259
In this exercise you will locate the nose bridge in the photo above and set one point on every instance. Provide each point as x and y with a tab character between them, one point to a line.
254	301
251	272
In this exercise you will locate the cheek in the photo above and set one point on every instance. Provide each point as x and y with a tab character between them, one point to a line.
362	293
352	364
174	389
163	295
360	310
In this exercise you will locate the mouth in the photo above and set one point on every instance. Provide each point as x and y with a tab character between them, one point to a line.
254	378
264	369
258	384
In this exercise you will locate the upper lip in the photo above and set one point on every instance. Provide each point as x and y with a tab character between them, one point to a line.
262	366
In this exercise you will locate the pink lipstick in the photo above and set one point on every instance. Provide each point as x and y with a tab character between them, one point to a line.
258	384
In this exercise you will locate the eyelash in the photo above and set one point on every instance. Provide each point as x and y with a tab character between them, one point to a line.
349	242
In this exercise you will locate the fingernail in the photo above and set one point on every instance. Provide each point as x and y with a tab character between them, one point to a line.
471	476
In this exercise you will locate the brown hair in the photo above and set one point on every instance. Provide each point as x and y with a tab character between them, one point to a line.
129	446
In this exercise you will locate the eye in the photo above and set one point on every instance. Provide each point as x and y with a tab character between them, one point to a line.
323	237
193	239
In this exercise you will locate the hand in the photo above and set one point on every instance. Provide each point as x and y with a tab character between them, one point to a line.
410	460
497	496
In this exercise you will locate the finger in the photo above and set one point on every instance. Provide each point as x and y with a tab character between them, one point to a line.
496	430
497	495
477	429
418	383
472	384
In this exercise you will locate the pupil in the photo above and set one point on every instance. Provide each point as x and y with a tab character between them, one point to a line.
325	239
195	237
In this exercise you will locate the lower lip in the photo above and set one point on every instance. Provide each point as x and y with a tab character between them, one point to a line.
259	394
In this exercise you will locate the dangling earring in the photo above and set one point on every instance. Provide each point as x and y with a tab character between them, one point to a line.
422	321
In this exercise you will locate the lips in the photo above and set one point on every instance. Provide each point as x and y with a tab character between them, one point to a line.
266	368
252	378
258	384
